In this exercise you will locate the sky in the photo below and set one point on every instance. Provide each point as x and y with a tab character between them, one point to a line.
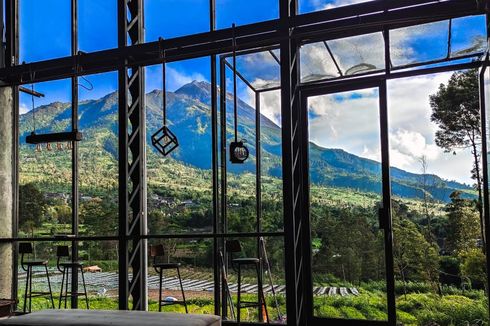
410	129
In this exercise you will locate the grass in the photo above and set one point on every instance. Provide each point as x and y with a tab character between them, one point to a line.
412	309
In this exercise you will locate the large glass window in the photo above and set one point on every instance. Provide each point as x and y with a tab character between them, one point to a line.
173	18
98	154
316	5
45	177
97	25
342	57
180	184
241	12
437	233
44	29
348	262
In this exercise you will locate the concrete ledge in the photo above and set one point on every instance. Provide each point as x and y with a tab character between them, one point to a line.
103	318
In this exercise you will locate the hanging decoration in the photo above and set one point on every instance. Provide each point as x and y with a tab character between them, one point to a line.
40	139
164	140
238	151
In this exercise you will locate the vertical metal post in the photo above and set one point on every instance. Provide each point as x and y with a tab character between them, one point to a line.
215	166
132	164
74	156
223	226
484	160
258	192
386	211
11	58
295	220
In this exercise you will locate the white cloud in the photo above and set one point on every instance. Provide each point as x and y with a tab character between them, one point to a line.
350	121
23	108
175	78
270	106
322	4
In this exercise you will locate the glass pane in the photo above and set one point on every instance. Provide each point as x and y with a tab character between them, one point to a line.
196	273
271	161
437	244
316	63
316	5
172	18
468	35
271	251
348	268
44	29
241	177
98	154
100	274
260	69
97	25
420	43
180	184
45	178
358	54
243	12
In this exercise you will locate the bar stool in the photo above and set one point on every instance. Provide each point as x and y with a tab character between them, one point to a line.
64	268
234	246
156	252
25	248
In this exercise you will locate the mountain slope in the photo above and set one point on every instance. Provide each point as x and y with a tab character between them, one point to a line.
189	117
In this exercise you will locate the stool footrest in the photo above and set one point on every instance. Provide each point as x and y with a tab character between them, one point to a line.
69	294
250	304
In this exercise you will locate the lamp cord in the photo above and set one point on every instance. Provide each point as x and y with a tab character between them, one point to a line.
235	107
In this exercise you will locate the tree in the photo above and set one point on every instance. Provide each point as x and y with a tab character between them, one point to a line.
415	258
32	207
426	200
456	111
462	224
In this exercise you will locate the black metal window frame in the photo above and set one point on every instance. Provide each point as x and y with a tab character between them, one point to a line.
290	30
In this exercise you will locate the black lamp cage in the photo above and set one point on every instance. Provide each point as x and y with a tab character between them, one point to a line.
164	140
238	151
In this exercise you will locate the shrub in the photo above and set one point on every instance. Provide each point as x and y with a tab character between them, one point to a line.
329	312
351	313
405	318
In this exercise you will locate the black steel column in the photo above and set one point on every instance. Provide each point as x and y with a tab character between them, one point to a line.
74	155
215	163
258	193
132	164
484	160
11	58
293	170
223	227
386	181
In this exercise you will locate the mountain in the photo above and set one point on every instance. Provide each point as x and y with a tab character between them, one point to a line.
189	117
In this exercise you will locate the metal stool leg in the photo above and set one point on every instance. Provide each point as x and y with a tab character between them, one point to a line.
62	285
238	303
27	288
66	286
160	291
260	295
84	287
49	286
30	289
182	289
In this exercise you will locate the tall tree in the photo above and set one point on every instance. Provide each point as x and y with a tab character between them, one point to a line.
456	111
32	207
462	224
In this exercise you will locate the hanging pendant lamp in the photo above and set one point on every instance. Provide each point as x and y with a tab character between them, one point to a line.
164	140
238	151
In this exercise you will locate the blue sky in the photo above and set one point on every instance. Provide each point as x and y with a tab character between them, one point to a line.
42	38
